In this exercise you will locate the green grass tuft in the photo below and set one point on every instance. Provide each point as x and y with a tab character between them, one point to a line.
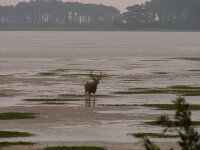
47	74
154	135
188	58
180	90
170	106
53	103
4	144
75	148
160	72
183	87
4	134
80	95
171	123
51	100
16	115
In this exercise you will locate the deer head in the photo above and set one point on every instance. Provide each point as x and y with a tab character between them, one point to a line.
96	79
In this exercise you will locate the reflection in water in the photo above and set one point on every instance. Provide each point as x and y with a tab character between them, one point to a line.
90	103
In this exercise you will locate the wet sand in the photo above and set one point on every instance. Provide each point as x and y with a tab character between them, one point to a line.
52	117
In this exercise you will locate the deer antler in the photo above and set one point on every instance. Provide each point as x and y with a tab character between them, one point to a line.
100	75
91	74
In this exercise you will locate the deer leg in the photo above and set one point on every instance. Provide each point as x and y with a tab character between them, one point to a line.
89	96
94	96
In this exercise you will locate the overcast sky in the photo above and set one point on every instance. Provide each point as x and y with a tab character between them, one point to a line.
120	4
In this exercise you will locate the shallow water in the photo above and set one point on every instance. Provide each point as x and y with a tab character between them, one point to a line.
130	59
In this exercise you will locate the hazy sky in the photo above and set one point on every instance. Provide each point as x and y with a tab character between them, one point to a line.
120	4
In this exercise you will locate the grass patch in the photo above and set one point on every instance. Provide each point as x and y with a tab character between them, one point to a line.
160	72
118	105
16	115
53	103
159	106
131	80
155	60
183	87
47	74
170	106
3	94
4	134
4	144
75	148
171	123
181	90
154	135
81	95
51	100
188	58
192	94
86	74
194	70
150	91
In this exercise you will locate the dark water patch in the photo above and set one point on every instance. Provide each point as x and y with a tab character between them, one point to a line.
154	135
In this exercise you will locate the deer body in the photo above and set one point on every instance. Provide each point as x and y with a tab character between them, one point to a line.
91	86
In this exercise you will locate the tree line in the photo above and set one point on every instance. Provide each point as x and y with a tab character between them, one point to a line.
177	14
53	13
162	14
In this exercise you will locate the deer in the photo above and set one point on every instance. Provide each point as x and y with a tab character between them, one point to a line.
91	85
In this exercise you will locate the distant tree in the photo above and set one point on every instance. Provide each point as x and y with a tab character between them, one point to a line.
178	14
53	13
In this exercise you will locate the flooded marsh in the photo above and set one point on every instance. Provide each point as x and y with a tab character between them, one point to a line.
141	76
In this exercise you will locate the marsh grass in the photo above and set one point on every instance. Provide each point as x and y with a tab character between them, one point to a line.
54	103
177	89
80	95
132	80
2	94
155	60
75	148
194	70
4	134
159	106
170	123
160	72
16	115
188	58
154	135
51	99
117	105
47	74
86	74
170	106
5	144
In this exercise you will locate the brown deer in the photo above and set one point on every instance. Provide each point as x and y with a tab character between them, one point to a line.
91	85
